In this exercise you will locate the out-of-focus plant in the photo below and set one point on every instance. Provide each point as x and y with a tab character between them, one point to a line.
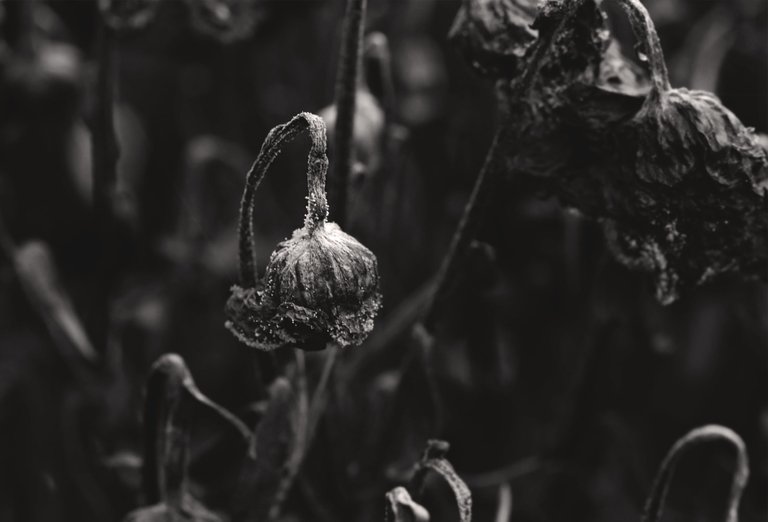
400	507
654	506
171	392
671	172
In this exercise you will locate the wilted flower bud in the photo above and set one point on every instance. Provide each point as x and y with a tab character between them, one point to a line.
321	285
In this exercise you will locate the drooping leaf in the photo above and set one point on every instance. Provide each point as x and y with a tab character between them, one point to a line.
277	450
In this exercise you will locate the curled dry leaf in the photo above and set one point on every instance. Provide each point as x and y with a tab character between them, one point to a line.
678	181
654	506
434	460
321	285
400	507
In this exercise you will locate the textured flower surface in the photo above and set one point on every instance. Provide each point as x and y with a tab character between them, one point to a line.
321	286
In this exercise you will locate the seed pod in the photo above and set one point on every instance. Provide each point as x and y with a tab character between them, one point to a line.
321	285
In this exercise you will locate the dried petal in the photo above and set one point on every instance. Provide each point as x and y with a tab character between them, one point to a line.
494	35
321	287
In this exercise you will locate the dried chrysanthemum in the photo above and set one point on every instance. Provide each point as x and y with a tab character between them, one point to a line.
321	286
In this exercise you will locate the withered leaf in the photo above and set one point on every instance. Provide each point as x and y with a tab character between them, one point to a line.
495	35
277	451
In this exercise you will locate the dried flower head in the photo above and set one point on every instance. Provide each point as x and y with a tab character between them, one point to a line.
678	181
321	286
701	182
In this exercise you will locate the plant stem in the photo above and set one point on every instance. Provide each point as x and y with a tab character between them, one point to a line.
104	160
345	97
317	405
317	166
654	507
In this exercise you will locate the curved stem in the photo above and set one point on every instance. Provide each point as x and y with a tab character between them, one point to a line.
434	460
166	428
345	98
655	505
166	437
645	32
317	167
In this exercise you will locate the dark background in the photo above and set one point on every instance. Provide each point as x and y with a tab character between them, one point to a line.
555	369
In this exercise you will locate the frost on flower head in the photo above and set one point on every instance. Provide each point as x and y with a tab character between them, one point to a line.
321	286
